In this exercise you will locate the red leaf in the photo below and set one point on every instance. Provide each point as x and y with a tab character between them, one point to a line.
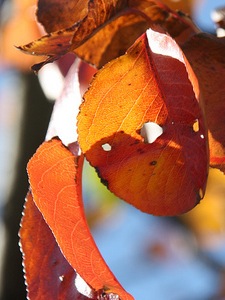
48	274
55	179
148	84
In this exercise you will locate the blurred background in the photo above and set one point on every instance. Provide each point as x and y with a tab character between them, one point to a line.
154	258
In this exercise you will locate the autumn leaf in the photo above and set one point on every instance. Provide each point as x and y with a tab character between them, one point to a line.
116	36
48	274
206	56
57	14
55	179
60	42
98	31
181	5
147	86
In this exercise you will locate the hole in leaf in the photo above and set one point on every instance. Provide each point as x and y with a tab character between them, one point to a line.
202	136
196	126
150	132
106	147
61	278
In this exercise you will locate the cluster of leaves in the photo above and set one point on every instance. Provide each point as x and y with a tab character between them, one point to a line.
156	70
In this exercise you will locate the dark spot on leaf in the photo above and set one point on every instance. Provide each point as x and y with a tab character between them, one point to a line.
55	263
153	163
134	143
140	151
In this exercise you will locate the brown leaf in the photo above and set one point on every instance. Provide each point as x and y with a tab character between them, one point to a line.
107	30
185	6
60	42
55	15
117	36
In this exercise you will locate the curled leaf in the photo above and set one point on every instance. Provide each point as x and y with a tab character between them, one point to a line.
48	274
149	84
55	179
98	31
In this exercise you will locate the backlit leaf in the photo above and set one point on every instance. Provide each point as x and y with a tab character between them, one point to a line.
206	56
48	274
147	85
55	179
99	31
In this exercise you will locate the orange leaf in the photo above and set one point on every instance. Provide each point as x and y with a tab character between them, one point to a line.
48	274
98	31
55	179
206	55
148	84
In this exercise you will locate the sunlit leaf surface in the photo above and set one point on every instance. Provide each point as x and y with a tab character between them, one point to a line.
147	85
48	274
55	179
